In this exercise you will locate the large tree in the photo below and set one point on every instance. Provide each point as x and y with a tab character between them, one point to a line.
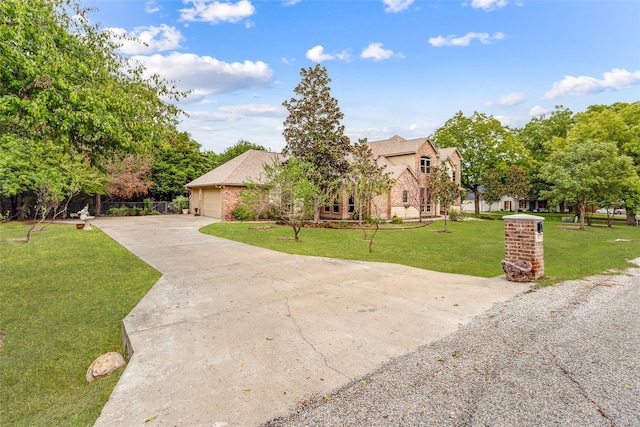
484	144
313	132
176	162
62	82
584	172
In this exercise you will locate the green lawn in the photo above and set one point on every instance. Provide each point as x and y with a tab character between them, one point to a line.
471	247
62	300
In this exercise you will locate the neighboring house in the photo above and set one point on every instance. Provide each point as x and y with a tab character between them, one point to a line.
508	204
409	162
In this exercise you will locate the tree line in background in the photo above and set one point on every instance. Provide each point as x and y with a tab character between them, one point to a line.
78	120
576	160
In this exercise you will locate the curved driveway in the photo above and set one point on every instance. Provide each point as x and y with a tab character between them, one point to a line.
234	335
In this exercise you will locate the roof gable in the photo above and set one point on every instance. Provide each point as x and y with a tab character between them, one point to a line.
248	166
397	146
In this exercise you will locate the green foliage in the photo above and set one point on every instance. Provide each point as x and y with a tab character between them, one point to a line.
62	80
517	184
243	213
180	202
483	143
396	220
62	300
147	204
292	194
493	187
586	172
455	215
312	130
176	162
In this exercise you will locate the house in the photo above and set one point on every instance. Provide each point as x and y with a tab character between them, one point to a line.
409	162
216	193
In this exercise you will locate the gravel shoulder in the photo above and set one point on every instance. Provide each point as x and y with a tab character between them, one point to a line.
565	355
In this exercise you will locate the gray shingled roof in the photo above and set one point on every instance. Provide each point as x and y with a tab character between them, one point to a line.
248	166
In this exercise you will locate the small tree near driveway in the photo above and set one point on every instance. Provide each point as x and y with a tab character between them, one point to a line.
292	194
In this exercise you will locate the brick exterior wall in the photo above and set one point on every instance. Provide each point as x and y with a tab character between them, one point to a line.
230	198
523	242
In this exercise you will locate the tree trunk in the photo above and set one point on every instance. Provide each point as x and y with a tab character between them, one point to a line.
582	208
631	219
98	203
476	200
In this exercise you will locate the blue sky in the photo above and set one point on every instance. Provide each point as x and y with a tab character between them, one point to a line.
398	67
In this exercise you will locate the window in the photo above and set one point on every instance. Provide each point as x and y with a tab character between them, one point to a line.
405	197
352	205
336	206
425	164
326	205
426	200
453	175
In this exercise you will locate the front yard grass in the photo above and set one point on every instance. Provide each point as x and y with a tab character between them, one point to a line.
62	300
471	247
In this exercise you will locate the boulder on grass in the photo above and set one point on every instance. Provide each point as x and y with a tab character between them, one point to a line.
104	365
517	271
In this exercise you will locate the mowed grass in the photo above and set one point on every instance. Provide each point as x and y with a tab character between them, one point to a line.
62	300
472	247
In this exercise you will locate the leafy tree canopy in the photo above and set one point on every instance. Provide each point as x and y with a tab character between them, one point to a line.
484	144
312	130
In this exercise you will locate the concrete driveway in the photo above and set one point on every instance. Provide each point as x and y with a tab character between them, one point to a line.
234	335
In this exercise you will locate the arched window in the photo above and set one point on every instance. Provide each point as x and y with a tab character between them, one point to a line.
425	164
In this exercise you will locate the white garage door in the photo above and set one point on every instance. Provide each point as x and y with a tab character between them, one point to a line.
212	202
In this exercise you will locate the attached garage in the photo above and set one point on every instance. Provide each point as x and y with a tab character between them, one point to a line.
215	194
208	201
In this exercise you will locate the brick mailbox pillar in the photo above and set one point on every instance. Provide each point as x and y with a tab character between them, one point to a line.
523	241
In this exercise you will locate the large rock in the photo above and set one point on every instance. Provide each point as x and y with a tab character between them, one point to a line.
104	365
517	271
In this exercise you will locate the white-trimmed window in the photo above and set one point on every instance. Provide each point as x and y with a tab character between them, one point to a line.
425	164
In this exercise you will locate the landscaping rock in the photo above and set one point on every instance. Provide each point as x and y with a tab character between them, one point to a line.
517	271
104	365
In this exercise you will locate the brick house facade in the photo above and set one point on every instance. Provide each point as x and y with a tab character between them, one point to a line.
409	162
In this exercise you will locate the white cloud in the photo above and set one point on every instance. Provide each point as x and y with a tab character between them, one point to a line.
377	53
584	85
148	39
290	2
452	40
151	6
206	75
514	98
215	12
488	5
227	113
538	110
394	6
317	54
